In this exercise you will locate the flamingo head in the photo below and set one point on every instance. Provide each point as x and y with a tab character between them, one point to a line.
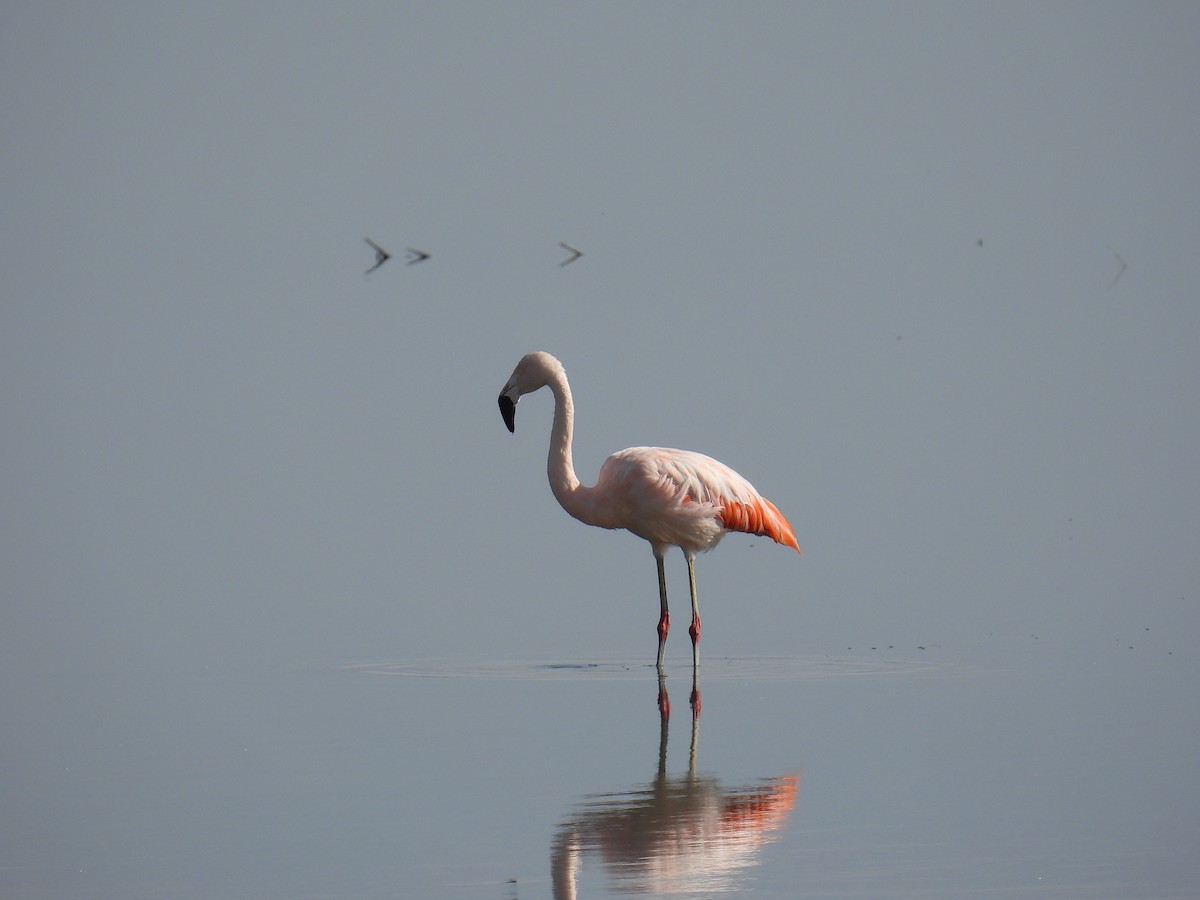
534	371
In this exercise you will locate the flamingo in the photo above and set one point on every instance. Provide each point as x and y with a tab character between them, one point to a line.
671	498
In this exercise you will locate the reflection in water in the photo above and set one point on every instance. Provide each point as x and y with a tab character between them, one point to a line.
674	835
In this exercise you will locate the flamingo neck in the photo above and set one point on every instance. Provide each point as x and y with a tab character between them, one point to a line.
560	467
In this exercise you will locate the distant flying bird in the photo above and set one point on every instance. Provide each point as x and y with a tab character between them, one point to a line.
577	253
381	256
667	497
416	256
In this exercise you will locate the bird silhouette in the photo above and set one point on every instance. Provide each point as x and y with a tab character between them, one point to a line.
381	256
576	253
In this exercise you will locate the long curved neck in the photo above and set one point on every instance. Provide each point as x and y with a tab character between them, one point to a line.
560	467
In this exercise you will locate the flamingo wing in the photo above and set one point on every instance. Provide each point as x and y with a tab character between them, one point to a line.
685	498
761	517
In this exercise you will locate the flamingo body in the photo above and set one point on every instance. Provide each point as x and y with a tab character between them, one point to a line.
667	497
684	499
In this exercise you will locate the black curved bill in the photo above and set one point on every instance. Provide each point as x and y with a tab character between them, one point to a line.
508	409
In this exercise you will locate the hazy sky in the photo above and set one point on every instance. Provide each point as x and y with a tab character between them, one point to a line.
926	274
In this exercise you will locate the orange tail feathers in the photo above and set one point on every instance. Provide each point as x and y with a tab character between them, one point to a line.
759	517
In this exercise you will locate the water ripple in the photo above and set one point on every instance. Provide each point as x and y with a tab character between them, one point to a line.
794	668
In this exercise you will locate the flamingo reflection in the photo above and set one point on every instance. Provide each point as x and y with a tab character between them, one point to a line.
674	835
664	701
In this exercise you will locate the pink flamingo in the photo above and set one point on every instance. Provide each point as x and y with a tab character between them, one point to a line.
668	497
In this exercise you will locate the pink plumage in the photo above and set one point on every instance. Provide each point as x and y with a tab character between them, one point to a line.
686	499
668	497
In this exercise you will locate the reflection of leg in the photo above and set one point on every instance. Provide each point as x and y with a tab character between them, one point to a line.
695	698
692	748
664	702
664	619
694	631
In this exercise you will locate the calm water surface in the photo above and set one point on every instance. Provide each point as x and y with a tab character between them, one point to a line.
1014	768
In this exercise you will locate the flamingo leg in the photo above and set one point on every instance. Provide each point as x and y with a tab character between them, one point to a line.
664	619
694	631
